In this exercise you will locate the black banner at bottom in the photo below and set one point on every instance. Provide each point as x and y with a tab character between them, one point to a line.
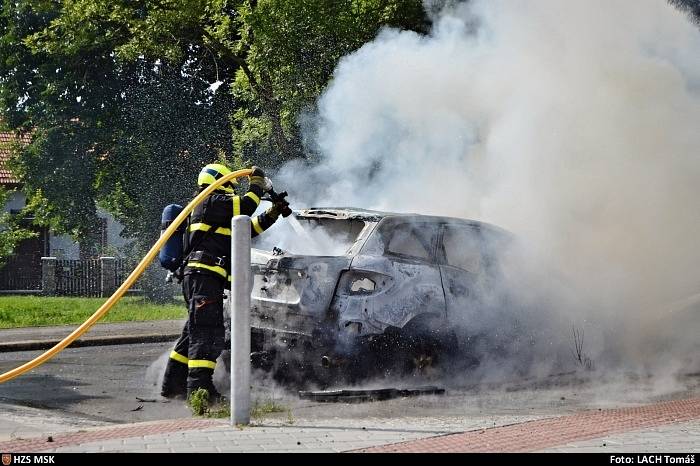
212	459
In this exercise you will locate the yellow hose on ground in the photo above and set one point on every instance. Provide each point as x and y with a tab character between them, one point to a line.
124	286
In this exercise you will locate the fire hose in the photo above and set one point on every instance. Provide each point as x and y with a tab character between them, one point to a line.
128	283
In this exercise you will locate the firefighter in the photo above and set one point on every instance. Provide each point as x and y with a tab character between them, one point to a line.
206	275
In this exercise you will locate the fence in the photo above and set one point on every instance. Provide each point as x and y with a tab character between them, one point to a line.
122	269
18	275
61	277
78	277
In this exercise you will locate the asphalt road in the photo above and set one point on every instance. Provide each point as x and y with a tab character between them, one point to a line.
103	384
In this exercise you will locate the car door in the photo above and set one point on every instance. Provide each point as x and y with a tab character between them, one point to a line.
462	267
404	251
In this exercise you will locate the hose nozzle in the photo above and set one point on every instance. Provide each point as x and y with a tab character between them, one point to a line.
280	201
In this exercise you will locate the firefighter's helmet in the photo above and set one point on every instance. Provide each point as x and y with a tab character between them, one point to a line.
213	172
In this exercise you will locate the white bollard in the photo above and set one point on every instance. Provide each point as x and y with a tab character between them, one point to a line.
240	320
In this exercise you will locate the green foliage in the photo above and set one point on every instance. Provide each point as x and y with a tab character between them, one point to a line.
262	409
118	93
222	412
130	132
34	311
11	232
292	49
198	402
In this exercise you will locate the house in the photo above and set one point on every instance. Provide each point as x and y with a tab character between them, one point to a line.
23	269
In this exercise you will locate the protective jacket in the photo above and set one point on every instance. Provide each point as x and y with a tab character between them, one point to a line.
210	230
207	273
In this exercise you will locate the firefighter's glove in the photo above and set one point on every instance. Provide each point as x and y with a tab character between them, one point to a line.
258	178
282	207
268	185
272	213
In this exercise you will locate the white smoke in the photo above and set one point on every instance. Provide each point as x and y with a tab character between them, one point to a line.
572	124
307	239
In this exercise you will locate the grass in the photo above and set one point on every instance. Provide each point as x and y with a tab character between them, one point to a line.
262	409
34	311
199	404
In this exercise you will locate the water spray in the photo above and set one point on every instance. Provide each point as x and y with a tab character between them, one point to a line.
128	283
287	213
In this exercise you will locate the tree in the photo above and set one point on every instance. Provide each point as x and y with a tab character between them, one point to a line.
291	49
691	6
121	132
121	95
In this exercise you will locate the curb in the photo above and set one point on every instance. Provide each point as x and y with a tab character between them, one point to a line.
33	345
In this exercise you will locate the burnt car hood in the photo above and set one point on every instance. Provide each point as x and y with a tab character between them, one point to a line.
293	292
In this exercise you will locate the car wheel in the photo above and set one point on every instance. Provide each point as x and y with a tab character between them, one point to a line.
414	352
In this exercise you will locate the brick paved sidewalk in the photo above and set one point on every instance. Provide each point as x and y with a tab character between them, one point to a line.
105	433
670	438
570	433
545	433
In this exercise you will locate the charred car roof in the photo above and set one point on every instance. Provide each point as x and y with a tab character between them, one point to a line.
352	213
349	213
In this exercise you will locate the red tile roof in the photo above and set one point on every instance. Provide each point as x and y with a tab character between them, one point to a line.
6	139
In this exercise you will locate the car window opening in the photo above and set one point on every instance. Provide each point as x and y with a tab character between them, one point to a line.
321	236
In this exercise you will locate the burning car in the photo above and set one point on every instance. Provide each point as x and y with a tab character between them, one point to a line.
352	292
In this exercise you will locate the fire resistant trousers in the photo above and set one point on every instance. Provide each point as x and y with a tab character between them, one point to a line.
192	361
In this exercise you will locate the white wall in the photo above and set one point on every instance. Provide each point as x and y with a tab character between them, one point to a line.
113	230
63	246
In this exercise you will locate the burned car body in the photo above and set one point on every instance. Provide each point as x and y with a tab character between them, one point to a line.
390	291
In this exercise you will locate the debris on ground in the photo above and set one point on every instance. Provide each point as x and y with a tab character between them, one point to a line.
359	396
